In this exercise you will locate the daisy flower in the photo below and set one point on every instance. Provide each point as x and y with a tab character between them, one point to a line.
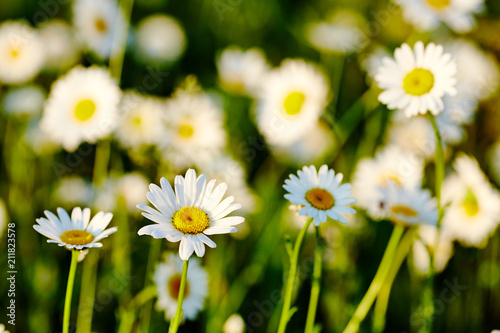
82	106
241	71
62	48
21	52
194	133
139	121
131	188
408	206
391	164
167	278
159	39
100	24
427	14
74	191
291	101
75	232
234	324
320	194
2	329
24	100
473	210
194	211
425	243
416	80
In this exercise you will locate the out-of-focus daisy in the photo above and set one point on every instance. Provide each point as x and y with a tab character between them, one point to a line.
372	60
416	80
140	122
74	191
473	210
311	148
131	188
291	101
77	232
2	329
413	136
43	144
195	130
320	194
408	206
24	100
21	52
342	32
194	211
427	14
425	243
82	106
241	71
167	278
391	164
100	24
159	39
234	324
62	48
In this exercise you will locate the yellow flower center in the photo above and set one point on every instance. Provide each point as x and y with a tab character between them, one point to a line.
190	220
101	25
389	177
14	53
320	199
470	203
186	131
438	4
174	284
293	103
84	110
77	237
418	82
404	210
136	121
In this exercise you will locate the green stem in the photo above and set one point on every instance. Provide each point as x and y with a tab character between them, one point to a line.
286	313
128	313
118	49
174	325
439	164
87	298
316	284
69	290
383	296
377	282
101	162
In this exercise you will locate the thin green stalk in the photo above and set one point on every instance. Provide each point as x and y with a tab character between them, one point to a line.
87	297
383	296
128	313
118	49
377	282
174	325
286	314
69	291
316	284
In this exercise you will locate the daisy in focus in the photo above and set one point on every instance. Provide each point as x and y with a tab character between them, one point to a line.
408	207
291	101
82	106
189	215
416	80
427	14
167	278
77	232
473	213
320	194
21	52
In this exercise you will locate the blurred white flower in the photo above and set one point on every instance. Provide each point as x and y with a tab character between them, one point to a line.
167	278
372	60
242	71
24	100
427	14
82	106
194	133
159	39
21	52
62	48
74	191
291	101
131	188
100	24
42	143
234	324
391	164
414	136
425	242
2	329
140	120
472	205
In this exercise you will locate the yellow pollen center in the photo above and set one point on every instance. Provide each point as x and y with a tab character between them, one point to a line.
186	131
438	4
14	53
84	110
389	177
470	204
320	199
77	237
136	121
293	103
190	220
418	82
404	210
174	284
101	25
